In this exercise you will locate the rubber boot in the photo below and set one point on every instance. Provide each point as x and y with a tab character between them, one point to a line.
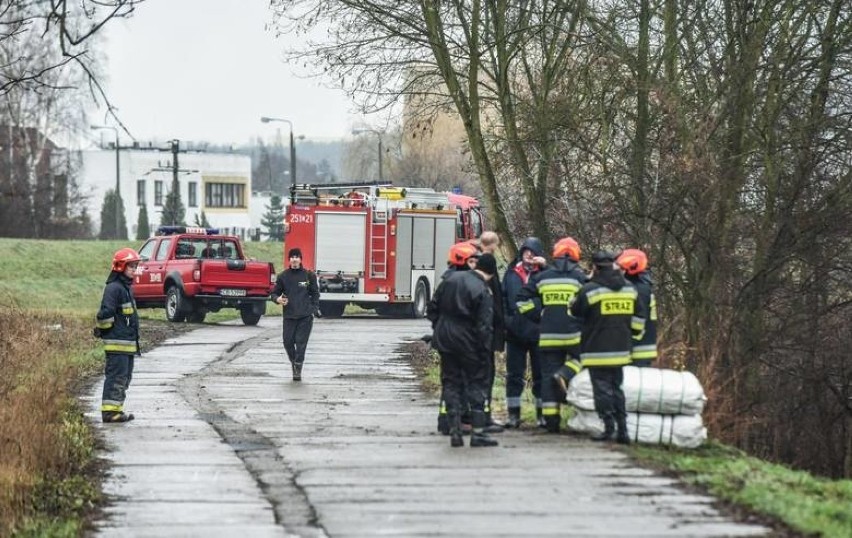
551	423
609	431
514	420
623	437
116	416
479	437
490	425
539	418
297	371
456	439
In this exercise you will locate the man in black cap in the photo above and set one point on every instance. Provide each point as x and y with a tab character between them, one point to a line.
461	315
296	290
612	317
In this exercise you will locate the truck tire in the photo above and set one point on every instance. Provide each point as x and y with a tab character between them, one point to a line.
421	298
250	316
175	305
332	309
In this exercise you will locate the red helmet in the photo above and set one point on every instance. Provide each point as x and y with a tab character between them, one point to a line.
633	261
460	253
567	246
124	256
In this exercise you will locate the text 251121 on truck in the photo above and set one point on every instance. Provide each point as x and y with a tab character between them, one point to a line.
191	271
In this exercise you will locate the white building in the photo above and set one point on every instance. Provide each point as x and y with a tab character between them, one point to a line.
217	183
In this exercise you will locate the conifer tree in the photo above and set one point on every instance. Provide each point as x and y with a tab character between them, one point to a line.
273	219
143	229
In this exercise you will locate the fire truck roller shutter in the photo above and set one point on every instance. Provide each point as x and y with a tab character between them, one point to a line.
404	229
445	237
331	229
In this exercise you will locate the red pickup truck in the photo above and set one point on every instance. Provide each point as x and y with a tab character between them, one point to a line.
191	271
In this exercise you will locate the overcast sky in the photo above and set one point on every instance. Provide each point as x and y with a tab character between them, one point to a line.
208	70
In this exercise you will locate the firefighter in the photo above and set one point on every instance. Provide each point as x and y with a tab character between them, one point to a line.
634	263
612	317
521	333
297	291
489	242
117	323
545	299
461	257
461	312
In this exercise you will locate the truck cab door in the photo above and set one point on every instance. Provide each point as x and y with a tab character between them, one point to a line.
152	269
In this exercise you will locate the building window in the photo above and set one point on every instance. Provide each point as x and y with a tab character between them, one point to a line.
224	195
158	193
193	194
140	192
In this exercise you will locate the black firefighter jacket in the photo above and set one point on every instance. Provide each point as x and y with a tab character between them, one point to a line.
612	317
302	292
117	321
461	312
646	348
545	300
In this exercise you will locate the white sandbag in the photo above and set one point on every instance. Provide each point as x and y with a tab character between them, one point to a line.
646	390
685	431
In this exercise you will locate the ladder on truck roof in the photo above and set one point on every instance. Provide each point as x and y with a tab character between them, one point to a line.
378	241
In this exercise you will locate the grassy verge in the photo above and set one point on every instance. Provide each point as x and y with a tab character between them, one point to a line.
794	503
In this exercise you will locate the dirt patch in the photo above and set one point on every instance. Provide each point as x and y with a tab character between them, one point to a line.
422	359
152	333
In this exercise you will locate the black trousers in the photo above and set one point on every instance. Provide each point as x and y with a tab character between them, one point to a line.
606	386
118	371
297	331
464	382
516	369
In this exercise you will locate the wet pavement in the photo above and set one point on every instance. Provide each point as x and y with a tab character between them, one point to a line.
226	444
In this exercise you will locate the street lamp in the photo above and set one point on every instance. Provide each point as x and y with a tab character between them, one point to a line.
266	119
358	130
117	177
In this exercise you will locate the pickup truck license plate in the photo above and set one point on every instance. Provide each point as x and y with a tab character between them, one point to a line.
232	292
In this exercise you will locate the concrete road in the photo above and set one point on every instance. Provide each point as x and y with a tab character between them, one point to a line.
225	444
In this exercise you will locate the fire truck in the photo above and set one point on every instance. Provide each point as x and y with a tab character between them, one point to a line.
377	246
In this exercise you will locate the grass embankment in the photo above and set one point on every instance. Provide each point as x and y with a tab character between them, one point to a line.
751	488
49	293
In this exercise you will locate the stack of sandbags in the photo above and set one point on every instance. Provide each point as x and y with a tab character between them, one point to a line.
663	406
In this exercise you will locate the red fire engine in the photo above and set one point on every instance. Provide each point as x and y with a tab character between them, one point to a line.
380	247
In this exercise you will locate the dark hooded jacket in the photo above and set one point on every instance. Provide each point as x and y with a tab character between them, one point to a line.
117	321
461	312
612	317
545	300
519	328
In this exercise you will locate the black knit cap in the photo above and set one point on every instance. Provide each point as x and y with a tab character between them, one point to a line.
603	258
487	264
294	253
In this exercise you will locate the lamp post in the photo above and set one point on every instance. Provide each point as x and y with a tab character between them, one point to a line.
117	176
266	119
358	130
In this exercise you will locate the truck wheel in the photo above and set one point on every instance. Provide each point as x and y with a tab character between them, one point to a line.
174	305
196	316
332	309
421	297
249	316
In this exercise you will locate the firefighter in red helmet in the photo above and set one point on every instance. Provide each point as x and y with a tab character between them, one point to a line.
545	299
461	257
634	263
117	324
